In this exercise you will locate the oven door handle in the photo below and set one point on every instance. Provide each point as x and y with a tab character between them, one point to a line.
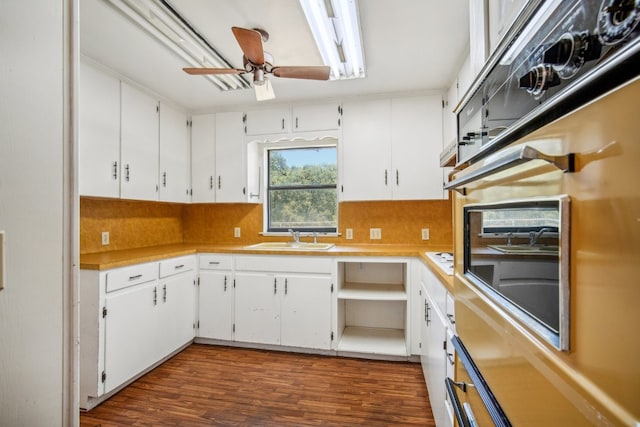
564	162
458	411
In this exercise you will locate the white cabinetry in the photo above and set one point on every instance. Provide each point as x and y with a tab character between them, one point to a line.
309	118
283	300
502	13
372	307
99	133
131	318
203	158
261	122
216	297
174	155
230	158
437	358
139	144
390	149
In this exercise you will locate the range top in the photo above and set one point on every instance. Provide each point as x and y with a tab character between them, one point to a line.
444	261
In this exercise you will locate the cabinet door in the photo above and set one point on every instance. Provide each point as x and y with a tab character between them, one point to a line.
139	145
216	305
306	311
434	355
262	122
316	117
366	139
230	158
99	133
176	312
257	308
130	333
203	158
174	155
416	143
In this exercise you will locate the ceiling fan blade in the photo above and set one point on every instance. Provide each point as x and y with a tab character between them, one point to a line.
250	42
197	71
309	73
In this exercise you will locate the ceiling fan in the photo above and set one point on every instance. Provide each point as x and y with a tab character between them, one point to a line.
260	63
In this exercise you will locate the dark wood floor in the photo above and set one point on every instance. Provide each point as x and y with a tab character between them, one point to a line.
212	385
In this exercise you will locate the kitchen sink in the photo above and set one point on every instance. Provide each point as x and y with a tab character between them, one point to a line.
526	249
291	246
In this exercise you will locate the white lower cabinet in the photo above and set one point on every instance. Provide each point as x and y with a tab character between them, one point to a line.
216	297
130	319
436	329
283	301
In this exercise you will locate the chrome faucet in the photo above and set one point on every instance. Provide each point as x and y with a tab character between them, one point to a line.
296	235
535	235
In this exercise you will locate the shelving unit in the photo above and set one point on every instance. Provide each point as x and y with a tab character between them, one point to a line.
372	307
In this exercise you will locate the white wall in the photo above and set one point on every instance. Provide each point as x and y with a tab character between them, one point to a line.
34	374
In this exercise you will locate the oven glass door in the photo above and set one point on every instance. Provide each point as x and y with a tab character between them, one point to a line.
517	253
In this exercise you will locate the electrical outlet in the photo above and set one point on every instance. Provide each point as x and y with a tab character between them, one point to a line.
375	233
425	234
236	232
349	233
105	238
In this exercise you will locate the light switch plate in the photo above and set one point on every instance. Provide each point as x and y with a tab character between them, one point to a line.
105	238
425	234
349	233
2	260
236	232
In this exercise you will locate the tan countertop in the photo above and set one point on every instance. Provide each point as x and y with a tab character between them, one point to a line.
122	258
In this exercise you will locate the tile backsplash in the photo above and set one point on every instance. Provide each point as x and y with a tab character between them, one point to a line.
134	224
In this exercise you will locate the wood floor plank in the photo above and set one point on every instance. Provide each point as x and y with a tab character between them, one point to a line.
216	385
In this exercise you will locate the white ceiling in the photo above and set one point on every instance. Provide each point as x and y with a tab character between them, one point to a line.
409	45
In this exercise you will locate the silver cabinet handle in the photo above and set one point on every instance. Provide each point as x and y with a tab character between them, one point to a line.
285	286
214	262
164	179
385	177
126	172
275	284
225	283
450	358
564	162
296	123
164	293
211	182
115	170
282	123
137	276
397	177
155	296
219	182
452	318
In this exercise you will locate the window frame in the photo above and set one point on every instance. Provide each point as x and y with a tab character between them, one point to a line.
298	187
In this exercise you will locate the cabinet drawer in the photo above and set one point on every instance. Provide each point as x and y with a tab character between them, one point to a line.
181	264
285	263
216	262
130	276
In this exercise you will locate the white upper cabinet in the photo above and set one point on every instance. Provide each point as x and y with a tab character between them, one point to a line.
260	122
203	158
502	13
174	155
230	159
390	149
139	144
99	133
366	139
416	143
311	118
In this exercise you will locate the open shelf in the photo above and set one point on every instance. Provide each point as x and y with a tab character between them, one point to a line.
358	339
373	292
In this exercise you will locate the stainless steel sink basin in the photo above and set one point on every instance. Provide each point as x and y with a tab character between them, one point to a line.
291	246
526	249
